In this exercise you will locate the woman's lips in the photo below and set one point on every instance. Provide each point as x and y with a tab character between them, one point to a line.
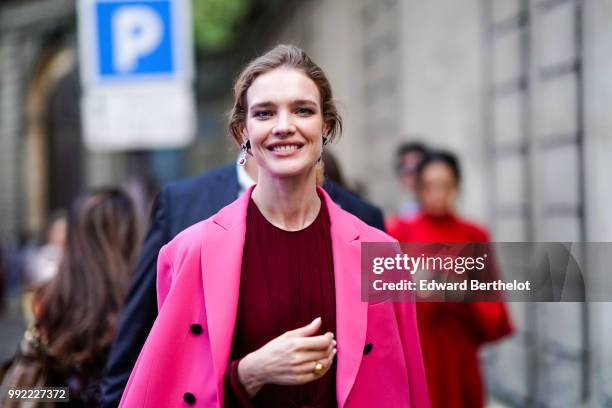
285	150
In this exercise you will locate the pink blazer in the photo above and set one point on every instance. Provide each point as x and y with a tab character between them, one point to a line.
186	356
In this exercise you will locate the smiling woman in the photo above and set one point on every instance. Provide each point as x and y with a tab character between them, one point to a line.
269	287
285	129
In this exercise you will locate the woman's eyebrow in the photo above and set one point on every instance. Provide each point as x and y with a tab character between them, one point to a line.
261	105
304	102
267	105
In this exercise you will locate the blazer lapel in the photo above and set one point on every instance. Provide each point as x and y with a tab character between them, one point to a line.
221	264
351	312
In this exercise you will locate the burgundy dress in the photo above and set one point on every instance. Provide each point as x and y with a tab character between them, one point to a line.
287	280
452	333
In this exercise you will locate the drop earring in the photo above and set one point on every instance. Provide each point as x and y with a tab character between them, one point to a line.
242	157
325	142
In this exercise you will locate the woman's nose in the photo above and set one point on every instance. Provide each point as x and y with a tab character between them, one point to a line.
284	125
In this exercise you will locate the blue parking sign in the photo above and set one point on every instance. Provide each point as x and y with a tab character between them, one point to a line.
134	38
130	41
136	66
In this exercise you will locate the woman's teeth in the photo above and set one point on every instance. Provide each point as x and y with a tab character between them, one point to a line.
286	148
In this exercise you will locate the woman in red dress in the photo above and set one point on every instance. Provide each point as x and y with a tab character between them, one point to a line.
451	333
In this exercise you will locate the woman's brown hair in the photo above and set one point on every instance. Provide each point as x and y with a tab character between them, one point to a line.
283	56
77	310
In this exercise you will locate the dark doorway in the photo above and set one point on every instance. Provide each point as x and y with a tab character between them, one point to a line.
64	148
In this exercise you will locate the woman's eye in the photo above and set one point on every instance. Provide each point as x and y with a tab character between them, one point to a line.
304	111
262	114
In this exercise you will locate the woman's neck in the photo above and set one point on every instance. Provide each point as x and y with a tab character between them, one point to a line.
289	203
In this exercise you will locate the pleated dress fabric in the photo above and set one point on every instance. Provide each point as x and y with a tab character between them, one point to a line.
287	280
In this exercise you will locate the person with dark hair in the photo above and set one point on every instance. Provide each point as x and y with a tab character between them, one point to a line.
402	162
260	305
437	181
408	157
451	333
76	312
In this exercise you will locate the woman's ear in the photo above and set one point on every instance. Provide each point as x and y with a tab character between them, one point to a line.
245	141
243	135
326	129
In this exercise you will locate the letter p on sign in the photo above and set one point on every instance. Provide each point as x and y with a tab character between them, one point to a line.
137	32
135	38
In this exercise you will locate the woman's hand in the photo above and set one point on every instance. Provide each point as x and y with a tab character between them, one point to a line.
289	359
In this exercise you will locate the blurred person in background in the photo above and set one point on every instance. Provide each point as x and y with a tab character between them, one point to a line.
238	292
407	158
76	312
42	262
451	333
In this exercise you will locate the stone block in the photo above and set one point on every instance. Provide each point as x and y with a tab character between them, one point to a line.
556	39
510	180
504	9
556	107
559	175
507	57
508	119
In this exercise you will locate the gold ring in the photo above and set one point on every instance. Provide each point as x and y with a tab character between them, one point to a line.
318	368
